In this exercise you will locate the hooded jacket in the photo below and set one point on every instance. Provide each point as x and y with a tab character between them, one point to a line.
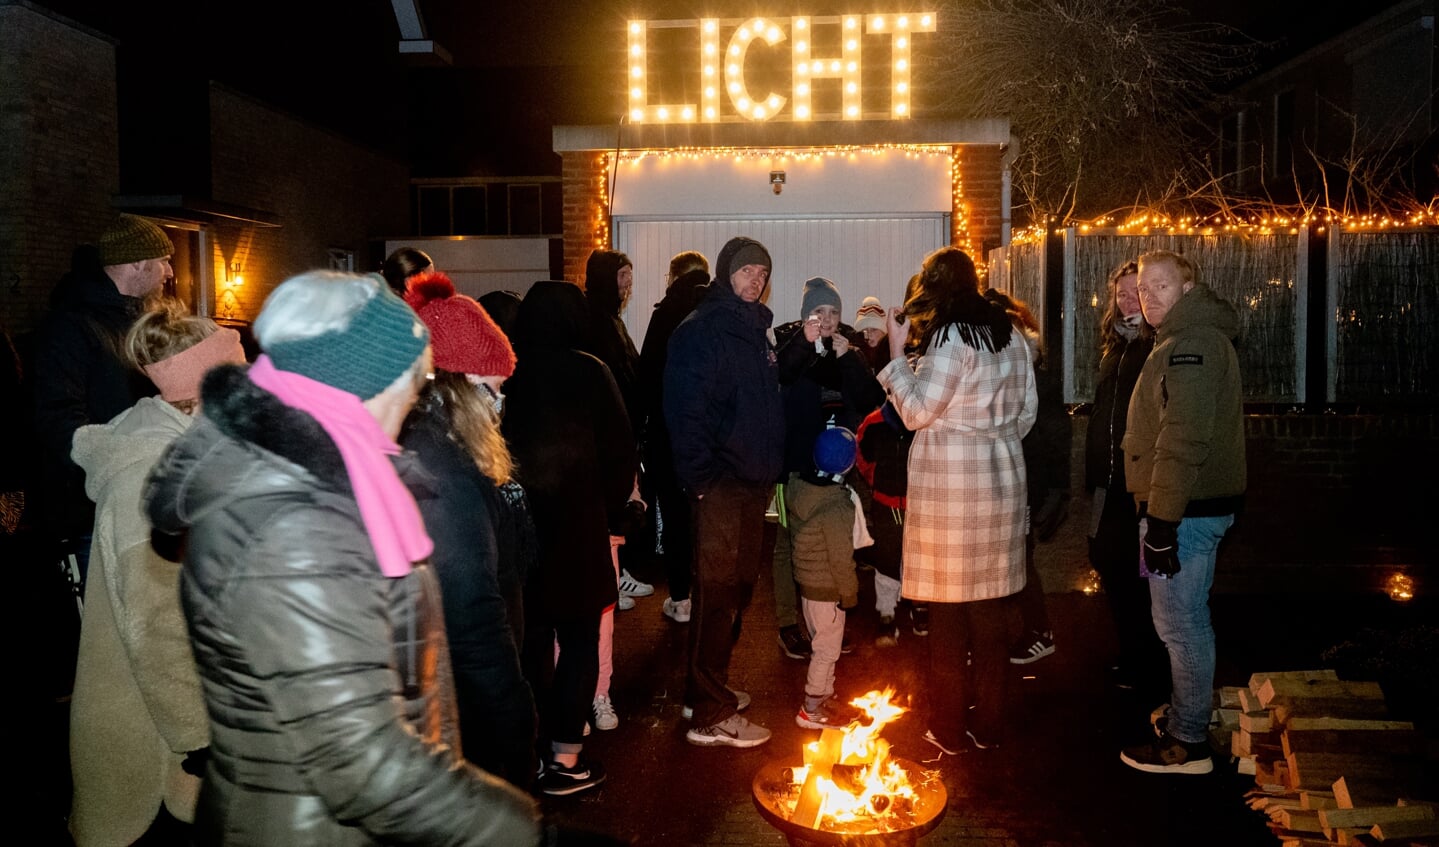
721	397
137	707
80	378
573	447
609	339
325	680
1184	441
680	299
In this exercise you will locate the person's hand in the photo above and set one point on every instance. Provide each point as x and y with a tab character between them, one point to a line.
894	326
811	328
841	345
1161	547
194	762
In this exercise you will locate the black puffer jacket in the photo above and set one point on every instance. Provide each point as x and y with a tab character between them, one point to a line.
1118	371
324	679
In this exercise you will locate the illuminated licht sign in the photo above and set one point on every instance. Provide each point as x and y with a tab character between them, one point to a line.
722	69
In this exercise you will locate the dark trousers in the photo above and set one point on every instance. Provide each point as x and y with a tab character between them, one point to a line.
564	689
1030	598
977	630
1114	553
678	535
729	541
497	718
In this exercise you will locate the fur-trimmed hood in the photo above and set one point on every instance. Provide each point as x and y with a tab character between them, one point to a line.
249	443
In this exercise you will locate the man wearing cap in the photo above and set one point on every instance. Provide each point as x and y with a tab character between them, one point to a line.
825	384
722	405
80	377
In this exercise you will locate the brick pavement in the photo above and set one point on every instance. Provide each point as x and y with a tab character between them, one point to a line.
1056	781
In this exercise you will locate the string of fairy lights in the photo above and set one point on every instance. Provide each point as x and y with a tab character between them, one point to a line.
605	162
1270	222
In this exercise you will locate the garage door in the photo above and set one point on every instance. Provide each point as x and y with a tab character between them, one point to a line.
862	255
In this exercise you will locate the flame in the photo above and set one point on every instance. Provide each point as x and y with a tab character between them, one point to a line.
880	789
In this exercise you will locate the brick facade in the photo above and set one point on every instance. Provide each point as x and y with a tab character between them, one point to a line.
327	192
586	209
982	184
59	159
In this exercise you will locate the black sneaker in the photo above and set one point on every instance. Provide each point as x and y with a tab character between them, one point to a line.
1031	648
919	619
846	646
793	642
1167	754
888	635
558	780
831	713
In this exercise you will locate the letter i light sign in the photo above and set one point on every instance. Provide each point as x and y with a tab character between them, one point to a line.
724	94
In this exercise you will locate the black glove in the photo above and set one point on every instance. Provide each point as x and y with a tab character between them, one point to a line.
194	763
558	835
631	519
1051	513
1161	547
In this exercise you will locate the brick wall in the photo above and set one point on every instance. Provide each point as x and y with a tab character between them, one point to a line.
981	184
586	209
327	192
59	160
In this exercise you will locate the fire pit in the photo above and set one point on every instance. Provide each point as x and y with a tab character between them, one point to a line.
848	790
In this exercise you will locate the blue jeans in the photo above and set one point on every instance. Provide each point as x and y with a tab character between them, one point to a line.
1180	606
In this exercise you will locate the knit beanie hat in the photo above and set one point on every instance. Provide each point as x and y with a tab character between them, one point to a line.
133	239
464	337
738	252
869	316
383	340
818	291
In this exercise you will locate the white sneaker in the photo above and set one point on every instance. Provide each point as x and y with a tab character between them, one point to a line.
605	717
677	610
633	587
625	603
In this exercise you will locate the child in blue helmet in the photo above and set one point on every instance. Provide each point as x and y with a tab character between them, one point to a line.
821	513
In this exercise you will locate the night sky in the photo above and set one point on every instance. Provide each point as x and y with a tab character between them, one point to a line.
519	67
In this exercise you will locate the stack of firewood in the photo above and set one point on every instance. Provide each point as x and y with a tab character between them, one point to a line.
1330	767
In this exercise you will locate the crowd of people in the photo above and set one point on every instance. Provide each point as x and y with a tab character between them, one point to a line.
363	588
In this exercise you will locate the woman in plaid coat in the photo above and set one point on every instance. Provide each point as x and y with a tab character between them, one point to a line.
967	389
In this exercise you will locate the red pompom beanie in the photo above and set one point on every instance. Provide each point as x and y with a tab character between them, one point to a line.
464	337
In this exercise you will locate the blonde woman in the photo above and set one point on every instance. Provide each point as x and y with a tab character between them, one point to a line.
138	728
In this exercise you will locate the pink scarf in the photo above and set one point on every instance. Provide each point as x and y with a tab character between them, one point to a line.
392	519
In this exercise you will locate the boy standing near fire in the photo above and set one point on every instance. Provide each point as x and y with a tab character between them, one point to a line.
823	531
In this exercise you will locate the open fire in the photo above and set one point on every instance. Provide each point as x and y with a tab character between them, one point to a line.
850	784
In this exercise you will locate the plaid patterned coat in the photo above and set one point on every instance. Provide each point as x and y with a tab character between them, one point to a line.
964	531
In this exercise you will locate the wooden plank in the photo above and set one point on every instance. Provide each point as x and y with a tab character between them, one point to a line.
1392	830
1310	723
1317	800
807	808
1368	816
1350	792
1257	680
1300	820
1320	770
1275	692
1227	697
1333	707
1261	721
1384	742
1249	701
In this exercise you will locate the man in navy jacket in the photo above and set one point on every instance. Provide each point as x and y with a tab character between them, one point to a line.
722	405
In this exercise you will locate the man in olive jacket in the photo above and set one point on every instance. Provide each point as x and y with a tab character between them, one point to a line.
1184	463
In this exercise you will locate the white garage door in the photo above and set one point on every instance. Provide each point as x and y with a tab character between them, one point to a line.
862	255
